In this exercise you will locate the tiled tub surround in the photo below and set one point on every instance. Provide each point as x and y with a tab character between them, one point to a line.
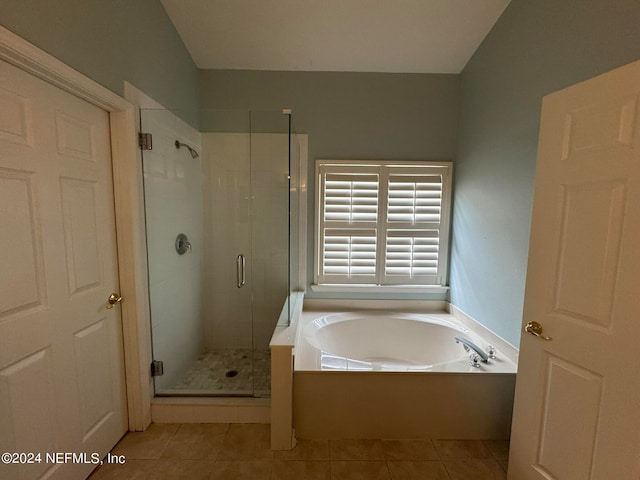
354	396
236	452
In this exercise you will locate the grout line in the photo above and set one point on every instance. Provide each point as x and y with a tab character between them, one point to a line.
429	443
446	470
388	469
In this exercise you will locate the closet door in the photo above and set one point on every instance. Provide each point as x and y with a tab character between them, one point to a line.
61	360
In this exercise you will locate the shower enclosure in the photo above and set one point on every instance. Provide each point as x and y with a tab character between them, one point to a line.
217	188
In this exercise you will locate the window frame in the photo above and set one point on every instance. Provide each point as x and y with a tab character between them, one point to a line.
385	169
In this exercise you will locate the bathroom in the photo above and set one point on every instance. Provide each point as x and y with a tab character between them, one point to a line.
484	119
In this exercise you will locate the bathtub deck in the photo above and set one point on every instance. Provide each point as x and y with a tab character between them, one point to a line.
448	401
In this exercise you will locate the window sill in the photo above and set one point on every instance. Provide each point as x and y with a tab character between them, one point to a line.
379	288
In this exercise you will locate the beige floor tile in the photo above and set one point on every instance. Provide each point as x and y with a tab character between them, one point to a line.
301	470
132	470
484	469
247	442
242	451
355	470
462	449
175	469
409	450
498	448
305	450
356	450
431	470
196	441
242	470
148	444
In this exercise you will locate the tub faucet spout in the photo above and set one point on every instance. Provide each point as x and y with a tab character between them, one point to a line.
469	346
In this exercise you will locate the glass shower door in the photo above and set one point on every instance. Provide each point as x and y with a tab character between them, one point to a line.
228	321
224	186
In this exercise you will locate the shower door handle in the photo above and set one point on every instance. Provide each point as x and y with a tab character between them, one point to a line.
240	271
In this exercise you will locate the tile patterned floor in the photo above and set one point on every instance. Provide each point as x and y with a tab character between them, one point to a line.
241	451
209	373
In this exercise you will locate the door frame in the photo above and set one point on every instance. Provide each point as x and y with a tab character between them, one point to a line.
127	181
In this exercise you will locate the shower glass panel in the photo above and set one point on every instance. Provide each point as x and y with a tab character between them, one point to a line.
295	191
217	215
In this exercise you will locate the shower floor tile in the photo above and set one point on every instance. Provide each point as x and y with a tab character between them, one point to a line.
227	372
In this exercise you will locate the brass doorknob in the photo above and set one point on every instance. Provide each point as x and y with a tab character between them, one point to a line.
534	328
114	299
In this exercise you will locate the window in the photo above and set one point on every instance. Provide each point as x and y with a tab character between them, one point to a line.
382	222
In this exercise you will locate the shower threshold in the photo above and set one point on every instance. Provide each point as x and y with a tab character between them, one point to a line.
210	409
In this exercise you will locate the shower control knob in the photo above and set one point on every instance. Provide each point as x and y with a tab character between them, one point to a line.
183	244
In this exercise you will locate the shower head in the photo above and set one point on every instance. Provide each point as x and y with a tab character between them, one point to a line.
192	151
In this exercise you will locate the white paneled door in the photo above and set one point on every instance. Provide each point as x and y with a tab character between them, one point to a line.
577	405
61	359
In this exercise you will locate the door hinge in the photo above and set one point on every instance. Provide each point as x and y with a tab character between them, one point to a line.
157	368
145	141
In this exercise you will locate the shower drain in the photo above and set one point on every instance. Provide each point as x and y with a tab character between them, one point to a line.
231	373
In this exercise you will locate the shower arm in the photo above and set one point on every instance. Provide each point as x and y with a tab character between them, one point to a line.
192	151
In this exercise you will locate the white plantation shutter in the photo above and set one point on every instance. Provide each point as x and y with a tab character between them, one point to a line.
350	198
412	257
350	254
382	223
414	199
349	225
414	208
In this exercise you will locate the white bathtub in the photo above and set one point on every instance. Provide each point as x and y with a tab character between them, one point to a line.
388	341
392	374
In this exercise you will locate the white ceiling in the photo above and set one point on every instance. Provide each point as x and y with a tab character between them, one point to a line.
412	36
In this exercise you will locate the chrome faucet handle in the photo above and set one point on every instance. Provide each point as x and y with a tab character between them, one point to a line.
491	351
474	359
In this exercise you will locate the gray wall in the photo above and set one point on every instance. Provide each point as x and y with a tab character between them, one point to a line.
349	115
535	48
111	41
